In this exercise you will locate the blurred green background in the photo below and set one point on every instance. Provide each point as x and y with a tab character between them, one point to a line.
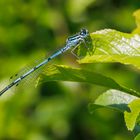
59	110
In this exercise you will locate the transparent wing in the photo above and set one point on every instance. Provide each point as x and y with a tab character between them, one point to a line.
30	79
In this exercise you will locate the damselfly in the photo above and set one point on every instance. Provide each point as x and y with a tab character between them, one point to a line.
71	43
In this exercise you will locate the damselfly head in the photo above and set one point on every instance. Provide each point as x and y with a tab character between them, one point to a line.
84	32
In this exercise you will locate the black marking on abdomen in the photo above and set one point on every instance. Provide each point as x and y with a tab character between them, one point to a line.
35	68
49	59
9	86
21	77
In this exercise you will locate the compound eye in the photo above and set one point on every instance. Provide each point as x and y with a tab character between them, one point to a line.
83	32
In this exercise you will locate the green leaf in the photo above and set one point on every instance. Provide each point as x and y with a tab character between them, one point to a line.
131	117
113	99
136	14
118	100
137	137
65	73
113	46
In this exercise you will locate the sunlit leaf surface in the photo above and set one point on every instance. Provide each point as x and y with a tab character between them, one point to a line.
114	46
113	99
131	117
136	14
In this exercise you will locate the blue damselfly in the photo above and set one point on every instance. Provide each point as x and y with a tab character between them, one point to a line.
71	43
